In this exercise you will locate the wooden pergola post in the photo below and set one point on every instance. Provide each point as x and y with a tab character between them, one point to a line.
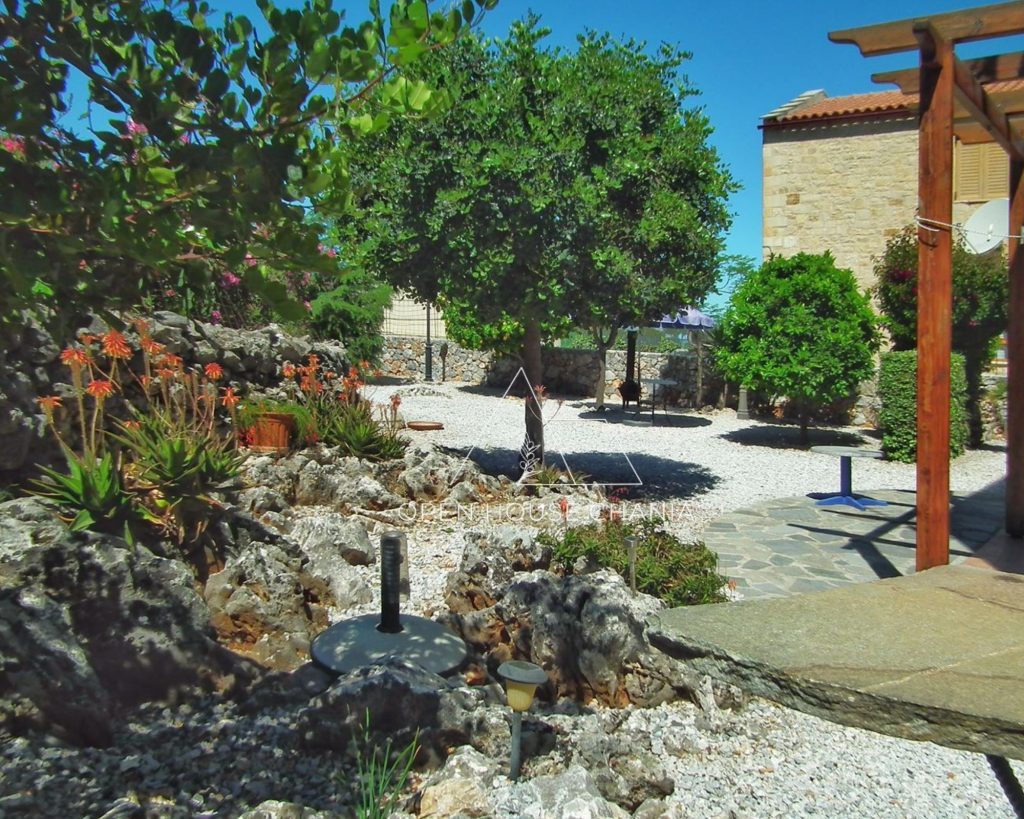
1015	359
934	296
962	97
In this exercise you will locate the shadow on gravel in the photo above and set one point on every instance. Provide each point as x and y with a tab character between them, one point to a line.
786	436
643	419
642	476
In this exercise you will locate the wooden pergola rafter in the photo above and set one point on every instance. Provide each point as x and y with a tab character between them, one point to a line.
957	96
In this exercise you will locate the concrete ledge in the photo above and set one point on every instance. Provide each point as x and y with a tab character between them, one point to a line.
936	656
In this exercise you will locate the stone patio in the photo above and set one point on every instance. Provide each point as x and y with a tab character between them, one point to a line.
791	546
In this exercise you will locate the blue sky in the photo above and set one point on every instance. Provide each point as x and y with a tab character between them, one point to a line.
748	58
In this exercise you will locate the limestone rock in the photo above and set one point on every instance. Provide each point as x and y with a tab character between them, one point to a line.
327	537
89	626
345	484
569	795
588	632
444	713
489	562
462	787
264	599
272	809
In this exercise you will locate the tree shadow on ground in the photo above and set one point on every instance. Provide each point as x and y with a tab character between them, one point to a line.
787	436
643	419
639	476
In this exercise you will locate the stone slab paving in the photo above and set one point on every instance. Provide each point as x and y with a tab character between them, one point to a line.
791	545
937	656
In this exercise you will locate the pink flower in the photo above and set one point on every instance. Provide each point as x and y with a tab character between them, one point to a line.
215	317
136	128
250	260
229	280
14	146
330	252
307	305
185	138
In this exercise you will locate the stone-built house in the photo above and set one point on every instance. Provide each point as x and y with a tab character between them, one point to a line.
840	174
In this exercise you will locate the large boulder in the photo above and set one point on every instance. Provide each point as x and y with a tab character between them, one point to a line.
345	483
329	537
462	787
490	561
89	626
430	474
400	701
266	603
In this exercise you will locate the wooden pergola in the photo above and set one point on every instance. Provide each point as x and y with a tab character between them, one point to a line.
976	101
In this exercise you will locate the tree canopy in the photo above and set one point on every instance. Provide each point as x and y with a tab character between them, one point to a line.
980	303
798	327
203	141
560	188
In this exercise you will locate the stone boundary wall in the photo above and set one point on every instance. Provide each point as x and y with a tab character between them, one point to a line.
566	371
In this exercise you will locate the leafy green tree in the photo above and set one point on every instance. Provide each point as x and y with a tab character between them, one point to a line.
559	189
353	312
799	328
204	143
980	301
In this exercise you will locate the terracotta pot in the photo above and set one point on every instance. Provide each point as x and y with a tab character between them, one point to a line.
424	426
272	432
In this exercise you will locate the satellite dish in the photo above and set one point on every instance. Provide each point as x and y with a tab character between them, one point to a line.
988	226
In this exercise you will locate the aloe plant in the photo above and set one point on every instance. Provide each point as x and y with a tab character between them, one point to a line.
93	493
178	469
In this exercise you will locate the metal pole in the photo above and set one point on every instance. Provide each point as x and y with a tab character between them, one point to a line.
517	735
631	544
390	581
430	350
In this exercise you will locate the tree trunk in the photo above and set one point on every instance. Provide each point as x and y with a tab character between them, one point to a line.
531	455
975	362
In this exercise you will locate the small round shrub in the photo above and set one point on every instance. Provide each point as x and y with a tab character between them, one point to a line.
680	574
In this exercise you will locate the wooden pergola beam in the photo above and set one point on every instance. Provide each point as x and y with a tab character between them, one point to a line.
1000	19
983	108
995	68
934	295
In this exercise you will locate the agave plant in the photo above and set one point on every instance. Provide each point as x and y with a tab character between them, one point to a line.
177	469
356	430
93	495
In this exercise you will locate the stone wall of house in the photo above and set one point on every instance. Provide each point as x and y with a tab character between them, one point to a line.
845	187
566	371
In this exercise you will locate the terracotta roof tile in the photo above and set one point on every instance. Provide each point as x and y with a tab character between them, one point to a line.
875	103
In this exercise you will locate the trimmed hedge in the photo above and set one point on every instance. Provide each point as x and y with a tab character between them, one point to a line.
897	416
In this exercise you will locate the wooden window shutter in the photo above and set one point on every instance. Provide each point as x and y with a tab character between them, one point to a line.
996	165
968	178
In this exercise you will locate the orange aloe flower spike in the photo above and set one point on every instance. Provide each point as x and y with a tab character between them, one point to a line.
100	388
115	346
